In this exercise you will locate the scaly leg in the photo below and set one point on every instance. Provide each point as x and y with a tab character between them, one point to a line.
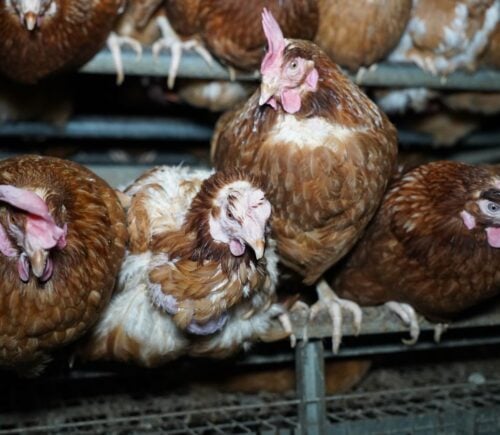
170	40
328	299
302	310
114	43
407	314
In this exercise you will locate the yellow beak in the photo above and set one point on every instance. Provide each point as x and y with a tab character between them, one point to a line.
37	261
30	19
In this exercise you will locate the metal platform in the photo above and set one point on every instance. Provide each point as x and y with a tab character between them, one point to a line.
383	75
441	409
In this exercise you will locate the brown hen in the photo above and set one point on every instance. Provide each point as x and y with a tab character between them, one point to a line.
230	29
43	37
356	34
62	240
432	247
323	150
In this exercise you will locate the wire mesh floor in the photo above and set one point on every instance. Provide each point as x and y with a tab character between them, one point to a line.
449	409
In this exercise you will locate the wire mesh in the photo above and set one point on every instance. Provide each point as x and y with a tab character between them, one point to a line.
451	409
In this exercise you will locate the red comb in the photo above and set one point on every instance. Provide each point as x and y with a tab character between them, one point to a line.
275	42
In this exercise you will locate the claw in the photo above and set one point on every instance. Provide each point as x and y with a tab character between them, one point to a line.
171	41
232	73
334	304
407	314
438	331
114	43
287	326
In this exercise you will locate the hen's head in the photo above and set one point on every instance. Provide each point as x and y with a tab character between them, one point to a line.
32	12
288	72
239	216
230	210
35	238
482	212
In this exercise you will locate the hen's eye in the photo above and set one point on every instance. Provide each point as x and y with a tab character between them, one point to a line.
230	214
492	207
489	208
294	65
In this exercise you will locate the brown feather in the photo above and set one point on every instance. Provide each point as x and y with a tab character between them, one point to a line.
418	250
66	41
322	196
38	317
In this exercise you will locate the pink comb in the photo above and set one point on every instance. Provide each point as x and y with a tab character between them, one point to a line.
275	42
41	229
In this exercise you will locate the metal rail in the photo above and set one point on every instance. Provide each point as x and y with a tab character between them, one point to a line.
134	128
122	128
383	75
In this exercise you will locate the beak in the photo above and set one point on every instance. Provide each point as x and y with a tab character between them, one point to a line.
38	260
30	19
258	247
267	91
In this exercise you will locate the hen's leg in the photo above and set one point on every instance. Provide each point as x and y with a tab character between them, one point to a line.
329	300
407	314
286	324
170	40
114	43
302	310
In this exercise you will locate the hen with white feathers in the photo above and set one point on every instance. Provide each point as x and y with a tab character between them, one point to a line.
445	35
200	274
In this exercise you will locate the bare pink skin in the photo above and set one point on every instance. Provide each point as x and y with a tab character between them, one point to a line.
288	81
41	233
493	235
469	220
242	223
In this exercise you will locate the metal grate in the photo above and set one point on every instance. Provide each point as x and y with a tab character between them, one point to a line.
451	409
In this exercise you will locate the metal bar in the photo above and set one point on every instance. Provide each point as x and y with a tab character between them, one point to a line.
142	128
379	320
310	371
126	128
191	66
383	75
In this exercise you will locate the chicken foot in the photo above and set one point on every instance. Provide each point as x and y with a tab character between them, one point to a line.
114	43
170	40
329	300
407	314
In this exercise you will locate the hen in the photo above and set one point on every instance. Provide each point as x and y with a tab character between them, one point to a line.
323	150
432	247
230	29
43	37
199	277
62	239
445	35
356	34
492	54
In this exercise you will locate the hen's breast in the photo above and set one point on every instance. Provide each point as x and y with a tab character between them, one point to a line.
36	317
324	182
67	40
